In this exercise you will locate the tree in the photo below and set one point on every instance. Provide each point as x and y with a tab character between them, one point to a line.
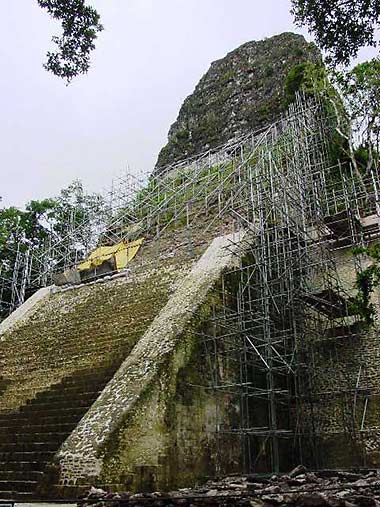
21	232
24	228
80	24
360	88
352	98
341	27
50	234
76	223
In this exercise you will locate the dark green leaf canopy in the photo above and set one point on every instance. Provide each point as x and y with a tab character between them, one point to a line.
80	24
341	27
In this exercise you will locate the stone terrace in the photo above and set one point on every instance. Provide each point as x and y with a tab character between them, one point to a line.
55	363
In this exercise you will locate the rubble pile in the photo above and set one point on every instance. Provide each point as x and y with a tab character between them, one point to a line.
299	488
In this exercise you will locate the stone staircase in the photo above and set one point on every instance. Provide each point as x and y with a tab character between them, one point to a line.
136	436
54	364
30	437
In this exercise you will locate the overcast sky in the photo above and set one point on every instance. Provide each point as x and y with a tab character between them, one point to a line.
148	59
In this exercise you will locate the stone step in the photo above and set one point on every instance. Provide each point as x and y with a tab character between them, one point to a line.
86	380
52	406
90	334
33	437
35	456
24	475
24	496
124	338
7	495
63	394
22	419
41	413
64	402
21	466
75	389
18	486
80	351
87	384
73	355
93	333
23	447
37	428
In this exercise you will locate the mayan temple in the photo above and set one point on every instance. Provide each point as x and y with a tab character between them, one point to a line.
209	329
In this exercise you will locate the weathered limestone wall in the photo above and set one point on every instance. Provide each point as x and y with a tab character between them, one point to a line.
136	423
154	425
346	387
169	439
23	312
80	329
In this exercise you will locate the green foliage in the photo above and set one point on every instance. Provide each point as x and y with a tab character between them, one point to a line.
227	77
23	228
308	78
208	127
341	27
46	222
73	208
294	81
269	69
264	112
361	156
351	100
165	201
366	281
361	90
182	135
20	231
80	24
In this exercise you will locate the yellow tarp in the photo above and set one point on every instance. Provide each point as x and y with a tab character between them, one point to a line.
122	252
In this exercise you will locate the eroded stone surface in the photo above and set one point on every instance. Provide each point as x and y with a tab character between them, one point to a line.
126	395
239	93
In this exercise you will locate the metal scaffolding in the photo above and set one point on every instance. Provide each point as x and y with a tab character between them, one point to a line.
136	206
285	299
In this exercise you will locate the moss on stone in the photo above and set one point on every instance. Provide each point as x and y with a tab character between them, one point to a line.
227	100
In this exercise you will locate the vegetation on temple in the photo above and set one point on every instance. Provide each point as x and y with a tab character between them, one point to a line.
367	280
352	97
242	92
